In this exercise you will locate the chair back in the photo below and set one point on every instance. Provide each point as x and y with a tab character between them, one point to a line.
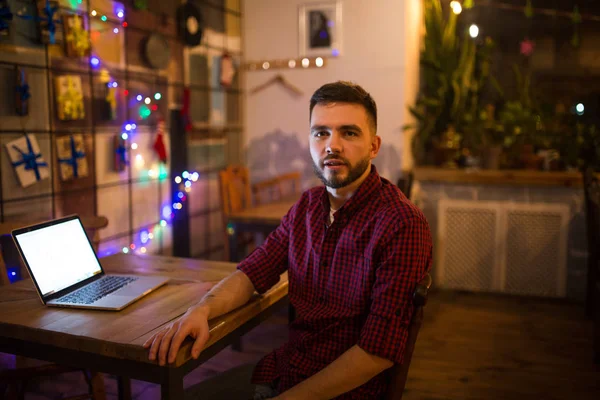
91	224
399	372
405	182
277	188
234	183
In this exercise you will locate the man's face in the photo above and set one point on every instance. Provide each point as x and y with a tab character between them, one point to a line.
342	143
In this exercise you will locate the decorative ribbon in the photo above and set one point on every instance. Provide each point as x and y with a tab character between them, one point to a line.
75	154
30	159
23	88
71	101
185	110
48	20
78	37
5	16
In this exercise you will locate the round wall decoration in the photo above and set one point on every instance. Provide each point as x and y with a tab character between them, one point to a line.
191	24
157	51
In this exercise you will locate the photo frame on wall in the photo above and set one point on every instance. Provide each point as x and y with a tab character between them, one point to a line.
320	29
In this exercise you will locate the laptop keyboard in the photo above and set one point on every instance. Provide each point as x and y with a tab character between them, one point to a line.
97	290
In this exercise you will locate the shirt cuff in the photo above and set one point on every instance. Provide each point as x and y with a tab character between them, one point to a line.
385	337
260	280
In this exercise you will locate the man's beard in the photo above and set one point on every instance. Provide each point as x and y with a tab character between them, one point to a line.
336	181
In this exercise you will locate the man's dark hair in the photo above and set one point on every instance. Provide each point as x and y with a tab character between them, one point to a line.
345	92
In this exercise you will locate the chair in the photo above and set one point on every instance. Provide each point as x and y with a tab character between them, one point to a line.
405	182
238	194
16	375
399	372
277	188
592	215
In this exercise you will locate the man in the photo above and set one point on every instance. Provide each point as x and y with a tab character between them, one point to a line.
355	250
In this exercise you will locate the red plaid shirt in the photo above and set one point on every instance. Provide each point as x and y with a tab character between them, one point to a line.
350	283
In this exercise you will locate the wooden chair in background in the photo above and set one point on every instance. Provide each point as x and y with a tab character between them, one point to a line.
400	371
237	193
16	371
277	188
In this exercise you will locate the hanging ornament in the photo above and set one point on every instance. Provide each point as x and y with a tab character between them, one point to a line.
527	47
46	18
227	70
576	18
77	42
23	94
467	4
71	157
69	97
528	9
5	17
26	158
159	142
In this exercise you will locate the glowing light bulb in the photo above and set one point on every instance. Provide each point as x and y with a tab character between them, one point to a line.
120	14
305	62
292	63
94	13
157	96
134	146
319	62
116	30
139	97
456	7
142	250
580	108
163	223
177	179
147	100
185	174
124	136
473	31
266	65
125	250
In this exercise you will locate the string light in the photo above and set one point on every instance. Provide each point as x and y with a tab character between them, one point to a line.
120	13
157	96
456	7
473	31
94	61
147	100
139	97
93	13
319	62
116	30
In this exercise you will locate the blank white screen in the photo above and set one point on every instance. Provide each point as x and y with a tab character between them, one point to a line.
58	255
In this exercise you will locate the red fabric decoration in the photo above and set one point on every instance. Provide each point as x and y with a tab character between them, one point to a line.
185	110
159	142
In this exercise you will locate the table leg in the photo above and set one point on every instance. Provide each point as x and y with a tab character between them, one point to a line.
172	386
124	388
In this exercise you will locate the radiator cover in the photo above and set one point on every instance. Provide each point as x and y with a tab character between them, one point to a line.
509	247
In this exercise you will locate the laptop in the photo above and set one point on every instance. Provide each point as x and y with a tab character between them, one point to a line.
67	273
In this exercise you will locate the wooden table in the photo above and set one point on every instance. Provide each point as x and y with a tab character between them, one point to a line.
111	342
261	219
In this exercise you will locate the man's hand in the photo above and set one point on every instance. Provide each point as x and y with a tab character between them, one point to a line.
167	341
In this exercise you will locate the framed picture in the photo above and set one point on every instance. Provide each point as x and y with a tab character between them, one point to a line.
320	29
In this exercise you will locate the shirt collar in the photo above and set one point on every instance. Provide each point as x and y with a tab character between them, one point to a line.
364	192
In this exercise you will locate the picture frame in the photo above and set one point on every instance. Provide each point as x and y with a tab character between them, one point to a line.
320	29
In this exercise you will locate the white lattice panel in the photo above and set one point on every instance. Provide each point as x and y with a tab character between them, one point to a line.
536	250
469	250
509	247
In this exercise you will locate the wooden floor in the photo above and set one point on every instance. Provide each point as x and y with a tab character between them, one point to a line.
471	346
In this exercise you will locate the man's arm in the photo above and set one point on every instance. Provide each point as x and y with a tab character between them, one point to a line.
232	292
352	369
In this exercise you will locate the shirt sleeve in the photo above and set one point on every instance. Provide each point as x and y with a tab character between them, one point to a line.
267	262
406	258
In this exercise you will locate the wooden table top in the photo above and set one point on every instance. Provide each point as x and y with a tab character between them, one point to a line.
270	214
120	334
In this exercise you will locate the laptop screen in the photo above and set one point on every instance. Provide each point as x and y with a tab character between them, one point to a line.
58	255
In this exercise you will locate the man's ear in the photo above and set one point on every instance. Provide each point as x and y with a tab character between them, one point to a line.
375	146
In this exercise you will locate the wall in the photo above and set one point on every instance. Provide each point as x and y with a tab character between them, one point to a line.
379	52
133	199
